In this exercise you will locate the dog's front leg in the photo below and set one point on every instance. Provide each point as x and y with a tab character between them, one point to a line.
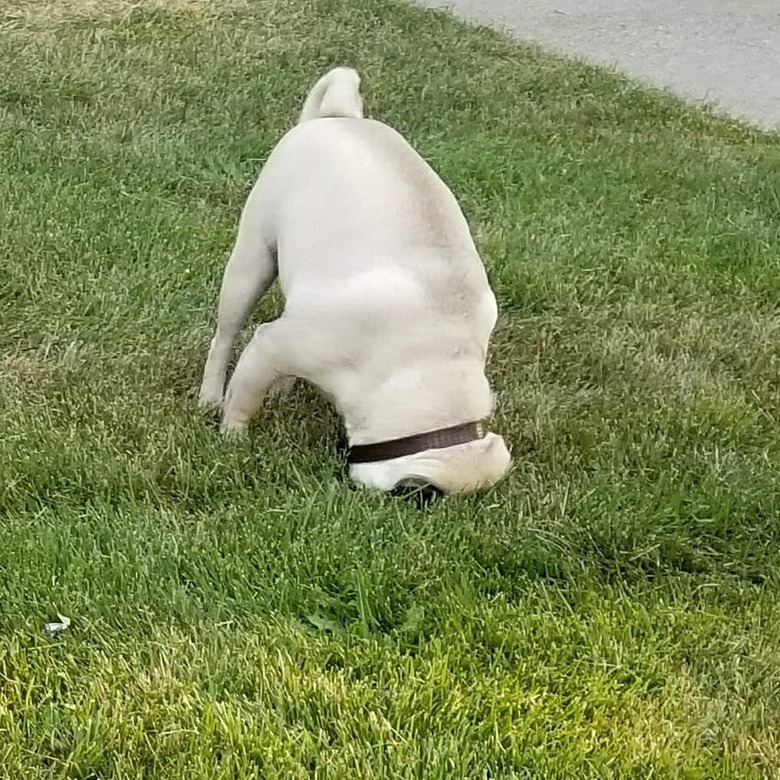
262	366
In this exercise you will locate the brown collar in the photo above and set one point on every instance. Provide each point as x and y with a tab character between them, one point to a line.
411	445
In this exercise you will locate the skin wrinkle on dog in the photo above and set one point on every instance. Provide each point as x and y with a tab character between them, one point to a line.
388	309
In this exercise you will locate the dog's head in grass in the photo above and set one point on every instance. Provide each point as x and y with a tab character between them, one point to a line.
465	468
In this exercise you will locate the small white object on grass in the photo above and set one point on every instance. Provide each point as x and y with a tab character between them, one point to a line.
52	629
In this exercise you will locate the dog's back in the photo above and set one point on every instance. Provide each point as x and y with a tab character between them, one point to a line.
359	215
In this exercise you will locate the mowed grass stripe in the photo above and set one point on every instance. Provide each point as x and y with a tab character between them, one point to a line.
238	610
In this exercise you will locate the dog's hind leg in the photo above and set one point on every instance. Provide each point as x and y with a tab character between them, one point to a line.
250	272
263	367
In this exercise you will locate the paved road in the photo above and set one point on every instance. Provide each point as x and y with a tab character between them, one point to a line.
725	52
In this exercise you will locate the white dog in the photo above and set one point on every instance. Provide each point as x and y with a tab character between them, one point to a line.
388	308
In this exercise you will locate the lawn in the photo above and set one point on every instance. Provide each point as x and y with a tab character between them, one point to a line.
612	610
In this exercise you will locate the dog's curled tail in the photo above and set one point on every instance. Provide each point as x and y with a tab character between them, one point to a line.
337	93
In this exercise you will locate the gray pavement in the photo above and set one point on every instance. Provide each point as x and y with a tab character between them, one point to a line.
723	52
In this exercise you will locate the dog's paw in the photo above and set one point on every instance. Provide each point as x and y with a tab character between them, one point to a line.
233	430
209	401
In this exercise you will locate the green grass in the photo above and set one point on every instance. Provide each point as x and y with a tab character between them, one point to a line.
612	610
